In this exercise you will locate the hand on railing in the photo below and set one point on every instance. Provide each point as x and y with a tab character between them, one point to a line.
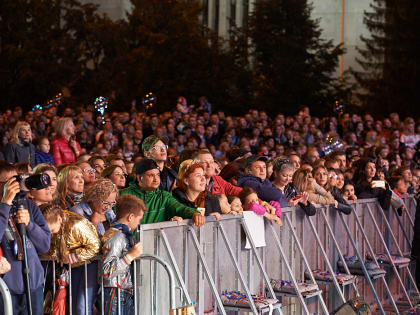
136	251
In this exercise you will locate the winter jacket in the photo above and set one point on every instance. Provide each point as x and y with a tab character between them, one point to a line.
220	186
62	152
38	242
115	263
211	203
167	178
85	211
42	157
160	204
319	195
342	204
265	189
20	153
80	238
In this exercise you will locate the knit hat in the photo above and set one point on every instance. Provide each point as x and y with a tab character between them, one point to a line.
145	165
151	141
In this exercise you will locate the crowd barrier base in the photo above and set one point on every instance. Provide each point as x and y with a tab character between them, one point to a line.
371	246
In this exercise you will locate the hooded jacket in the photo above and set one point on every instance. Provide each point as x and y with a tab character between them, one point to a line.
38	242
160	204
264	189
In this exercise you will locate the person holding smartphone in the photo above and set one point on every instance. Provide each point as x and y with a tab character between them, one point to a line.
368	185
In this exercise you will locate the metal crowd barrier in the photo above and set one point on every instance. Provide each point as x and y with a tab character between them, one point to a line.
7	299
203	262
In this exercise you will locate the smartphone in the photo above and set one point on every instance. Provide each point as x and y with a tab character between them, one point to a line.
297	197
378	184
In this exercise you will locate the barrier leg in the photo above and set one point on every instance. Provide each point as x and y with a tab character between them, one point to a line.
175	266
340	253
206	271
7	298
324	254
362	260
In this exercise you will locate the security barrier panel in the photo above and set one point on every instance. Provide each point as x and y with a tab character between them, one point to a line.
310	265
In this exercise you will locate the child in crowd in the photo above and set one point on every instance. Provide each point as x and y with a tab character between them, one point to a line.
119	251
250	202
348	191
235	204
42	151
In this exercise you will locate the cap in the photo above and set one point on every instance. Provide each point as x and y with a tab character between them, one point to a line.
145	165
151	141
254	158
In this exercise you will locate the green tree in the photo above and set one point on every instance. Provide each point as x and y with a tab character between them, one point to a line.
46	46
169	52
293	65
389	77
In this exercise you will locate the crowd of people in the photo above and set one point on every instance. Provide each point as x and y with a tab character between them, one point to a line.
109	173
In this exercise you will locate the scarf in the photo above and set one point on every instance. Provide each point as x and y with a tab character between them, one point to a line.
75	199
126	231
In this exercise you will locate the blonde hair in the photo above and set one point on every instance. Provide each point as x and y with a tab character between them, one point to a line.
100	190
63	182
301	179
19	125
61	125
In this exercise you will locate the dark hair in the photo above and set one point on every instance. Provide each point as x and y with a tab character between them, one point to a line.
246	191
37	141
393	181
6	167
127	204
109	170
359	177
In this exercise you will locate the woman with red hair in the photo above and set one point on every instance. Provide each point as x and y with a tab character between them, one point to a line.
192	190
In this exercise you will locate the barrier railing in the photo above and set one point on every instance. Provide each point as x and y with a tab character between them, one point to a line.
209	260
7	299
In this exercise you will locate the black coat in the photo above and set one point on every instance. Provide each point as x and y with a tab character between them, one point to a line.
20	153
365	191
211	204
167	178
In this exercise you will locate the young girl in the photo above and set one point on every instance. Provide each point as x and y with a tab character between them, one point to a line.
250	202
235	204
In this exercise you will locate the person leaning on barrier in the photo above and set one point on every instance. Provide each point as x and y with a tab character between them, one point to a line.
38	242
74	239
96	206
161	205
256	177
192	190
215	184
118	252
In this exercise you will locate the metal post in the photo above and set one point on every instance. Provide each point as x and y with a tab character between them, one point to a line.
7	299
70	290
330	231
324	254
361	259
206	271
86	289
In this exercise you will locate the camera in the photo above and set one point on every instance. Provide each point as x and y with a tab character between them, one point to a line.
38	181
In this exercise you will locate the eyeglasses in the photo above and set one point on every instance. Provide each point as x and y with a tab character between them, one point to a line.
160	147
89	170
107	203
332	176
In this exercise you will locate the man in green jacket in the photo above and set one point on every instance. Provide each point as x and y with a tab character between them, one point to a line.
160	204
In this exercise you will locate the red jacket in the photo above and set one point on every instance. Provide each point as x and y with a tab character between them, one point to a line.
220	186
62	152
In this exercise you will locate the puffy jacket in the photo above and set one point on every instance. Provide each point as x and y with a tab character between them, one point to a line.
115	264
318	195
211	203
220	186
81	240
160	204
265	189
20	153
62	152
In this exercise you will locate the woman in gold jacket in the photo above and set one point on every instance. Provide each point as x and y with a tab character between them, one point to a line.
74	239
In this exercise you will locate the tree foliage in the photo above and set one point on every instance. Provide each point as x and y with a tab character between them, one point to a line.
389	77
293	65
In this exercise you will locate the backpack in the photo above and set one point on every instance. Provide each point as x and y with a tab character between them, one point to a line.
356	306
